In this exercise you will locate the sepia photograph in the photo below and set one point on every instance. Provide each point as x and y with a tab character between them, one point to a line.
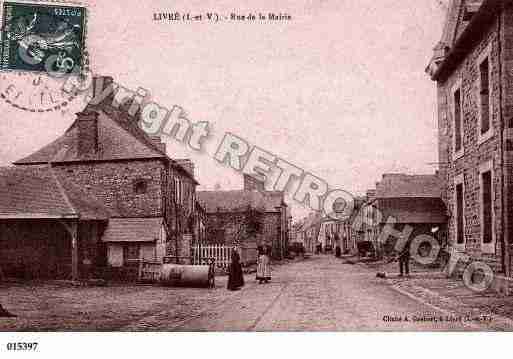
170	169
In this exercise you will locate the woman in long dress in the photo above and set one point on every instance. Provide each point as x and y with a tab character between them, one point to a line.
263	265
235	275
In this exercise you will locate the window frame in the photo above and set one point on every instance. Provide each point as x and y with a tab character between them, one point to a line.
457	87
459	180
485	55
488	248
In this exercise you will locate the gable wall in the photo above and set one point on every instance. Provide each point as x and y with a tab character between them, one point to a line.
113	184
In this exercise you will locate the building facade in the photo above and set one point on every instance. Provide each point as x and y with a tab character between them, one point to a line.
147	199
472	68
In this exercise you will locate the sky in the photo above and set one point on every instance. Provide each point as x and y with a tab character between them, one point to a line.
339	90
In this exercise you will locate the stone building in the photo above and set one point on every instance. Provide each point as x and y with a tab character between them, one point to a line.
230	217
276	218
235	218
472	68
407	200
144	201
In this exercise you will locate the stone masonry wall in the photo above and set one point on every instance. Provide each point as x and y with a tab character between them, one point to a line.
113	183
474	153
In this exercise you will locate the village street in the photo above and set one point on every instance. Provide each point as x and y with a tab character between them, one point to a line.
321	293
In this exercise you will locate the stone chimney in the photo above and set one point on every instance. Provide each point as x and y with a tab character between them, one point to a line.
253	184
87	133
100	83
157	141
187	164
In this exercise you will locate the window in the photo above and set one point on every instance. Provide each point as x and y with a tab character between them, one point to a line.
487	215
484	92
458	125
486	179
178	190
459	212
140	186
484	88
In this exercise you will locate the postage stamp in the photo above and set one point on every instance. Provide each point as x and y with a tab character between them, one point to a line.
42	38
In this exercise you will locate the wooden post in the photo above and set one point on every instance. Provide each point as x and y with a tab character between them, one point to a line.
74	250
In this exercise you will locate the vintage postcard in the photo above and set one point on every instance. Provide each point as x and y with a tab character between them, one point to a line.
255	166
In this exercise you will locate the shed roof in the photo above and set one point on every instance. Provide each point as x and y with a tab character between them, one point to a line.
410	186
239	200
40	192
404	210
133	230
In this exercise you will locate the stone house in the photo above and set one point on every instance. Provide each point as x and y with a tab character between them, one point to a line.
248	217
145	200
472	68
235	218
277	218
406	200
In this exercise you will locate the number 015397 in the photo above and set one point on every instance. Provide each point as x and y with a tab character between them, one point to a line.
22	346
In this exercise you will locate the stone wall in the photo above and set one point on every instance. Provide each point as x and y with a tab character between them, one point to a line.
114	184
475	153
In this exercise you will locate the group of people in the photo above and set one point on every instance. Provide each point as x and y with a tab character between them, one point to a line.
263	274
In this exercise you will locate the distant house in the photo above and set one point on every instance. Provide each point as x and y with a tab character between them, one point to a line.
276	218
103	192
409	200
235	218
248	217
310	231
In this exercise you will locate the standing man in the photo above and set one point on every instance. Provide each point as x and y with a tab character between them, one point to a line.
404	260
338	250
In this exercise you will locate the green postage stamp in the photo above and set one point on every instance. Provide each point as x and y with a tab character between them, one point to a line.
42	38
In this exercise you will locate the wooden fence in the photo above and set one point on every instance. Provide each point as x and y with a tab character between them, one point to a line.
221	254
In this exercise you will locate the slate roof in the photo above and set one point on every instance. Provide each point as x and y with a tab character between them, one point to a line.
133	230
114	142
410	186
231	200
38	192
237	200
461	36
454	23
421	210
119	138
86	205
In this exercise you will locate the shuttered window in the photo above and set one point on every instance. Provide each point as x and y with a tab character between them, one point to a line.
458	126
460	239
486	180
484	70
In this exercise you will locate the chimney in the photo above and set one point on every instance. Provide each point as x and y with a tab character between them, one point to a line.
253	184
87	133
158	142
187	165
100	83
